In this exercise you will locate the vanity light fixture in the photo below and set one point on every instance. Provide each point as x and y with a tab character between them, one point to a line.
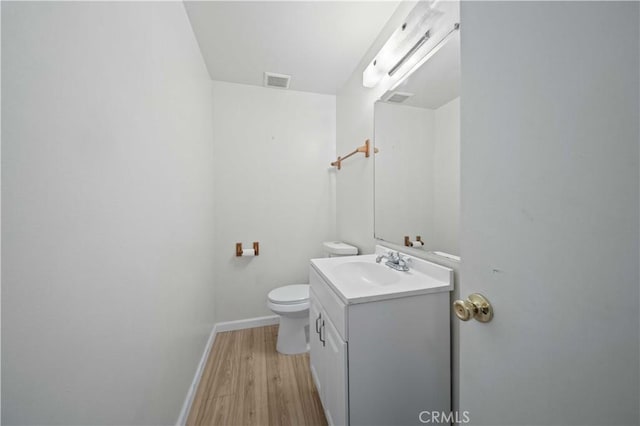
423	32
410	53
402	44
425	58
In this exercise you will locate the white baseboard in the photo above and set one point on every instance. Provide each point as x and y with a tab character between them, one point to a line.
218	328
247	323
191	393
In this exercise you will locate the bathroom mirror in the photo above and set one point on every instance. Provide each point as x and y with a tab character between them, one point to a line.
417	168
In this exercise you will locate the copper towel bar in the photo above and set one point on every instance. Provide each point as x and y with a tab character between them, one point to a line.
364	148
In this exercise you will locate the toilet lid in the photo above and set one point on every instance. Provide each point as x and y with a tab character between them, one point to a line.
290	294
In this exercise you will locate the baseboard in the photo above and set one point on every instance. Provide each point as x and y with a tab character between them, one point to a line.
247	323
218	328
191	393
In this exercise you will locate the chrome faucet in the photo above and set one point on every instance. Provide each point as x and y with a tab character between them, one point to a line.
395	261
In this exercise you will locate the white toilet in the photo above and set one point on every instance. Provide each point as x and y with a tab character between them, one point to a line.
291	302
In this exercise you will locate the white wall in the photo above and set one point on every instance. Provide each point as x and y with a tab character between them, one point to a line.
354	183
550	209
107	212
273	184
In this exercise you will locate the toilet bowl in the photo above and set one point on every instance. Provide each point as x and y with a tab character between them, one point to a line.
291	303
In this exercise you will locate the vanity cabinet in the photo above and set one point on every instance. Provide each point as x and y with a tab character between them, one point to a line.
328	361
379	362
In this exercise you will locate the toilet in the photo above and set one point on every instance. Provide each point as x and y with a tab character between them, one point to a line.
291	303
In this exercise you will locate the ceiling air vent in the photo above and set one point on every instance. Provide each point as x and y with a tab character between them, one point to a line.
280	81
396	97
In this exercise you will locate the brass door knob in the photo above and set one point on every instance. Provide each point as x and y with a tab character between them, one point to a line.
476	306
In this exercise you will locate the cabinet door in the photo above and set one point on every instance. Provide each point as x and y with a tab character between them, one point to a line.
335	383
316	352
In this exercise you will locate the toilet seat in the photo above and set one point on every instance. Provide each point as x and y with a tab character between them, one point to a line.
290	295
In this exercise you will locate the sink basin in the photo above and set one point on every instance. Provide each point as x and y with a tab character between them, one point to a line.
359	279
366	273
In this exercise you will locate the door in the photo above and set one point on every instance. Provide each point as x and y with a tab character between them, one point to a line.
549	218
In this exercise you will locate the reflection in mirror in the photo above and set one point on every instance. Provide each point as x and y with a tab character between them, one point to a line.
417	171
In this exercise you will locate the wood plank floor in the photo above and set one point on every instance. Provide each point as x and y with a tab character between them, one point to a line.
246	382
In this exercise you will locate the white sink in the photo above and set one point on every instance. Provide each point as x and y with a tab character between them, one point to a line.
359	279
366	273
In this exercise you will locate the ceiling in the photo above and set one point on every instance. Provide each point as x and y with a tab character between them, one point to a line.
438	80
318	43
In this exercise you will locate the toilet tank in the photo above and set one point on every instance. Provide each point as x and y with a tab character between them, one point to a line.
338	248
